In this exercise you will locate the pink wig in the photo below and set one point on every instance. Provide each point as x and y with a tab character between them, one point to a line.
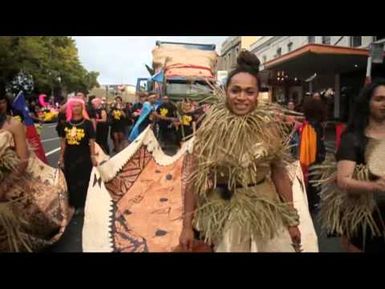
70	103
42	101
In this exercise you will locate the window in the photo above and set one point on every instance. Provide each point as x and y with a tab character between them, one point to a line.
279	52
355	41
289	46
326	40
311	39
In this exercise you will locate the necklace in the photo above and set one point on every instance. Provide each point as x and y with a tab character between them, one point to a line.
74	128
76	124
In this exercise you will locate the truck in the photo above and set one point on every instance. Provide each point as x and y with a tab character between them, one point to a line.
181	70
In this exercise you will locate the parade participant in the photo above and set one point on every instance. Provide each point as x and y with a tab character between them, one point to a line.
353	189
33	197
291	105
104	102
77	153
140	194
61	118
312	149
145	117
91	110
128	118
166	115
101	125
295	122
137	107
62	111
187	120
118	124
238	194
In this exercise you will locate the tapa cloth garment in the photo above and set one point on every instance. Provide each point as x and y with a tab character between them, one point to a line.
135	203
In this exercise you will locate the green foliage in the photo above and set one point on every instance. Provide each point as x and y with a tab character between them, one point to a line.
53	61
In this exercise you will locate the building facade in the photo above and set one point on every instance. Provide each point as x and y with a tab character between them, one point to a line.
230	49
293	66
270	47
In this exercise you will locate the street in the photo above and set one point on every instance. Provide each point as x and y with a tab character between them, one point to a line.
72	241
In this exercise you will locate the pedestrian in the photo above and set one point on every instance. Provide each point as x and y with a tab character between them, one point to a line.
145	118
295	123
101	119
291	105
128	118
33	206
118	124
137	107
312	145
353	207
237	192
77	153
166	116
188	120
61	118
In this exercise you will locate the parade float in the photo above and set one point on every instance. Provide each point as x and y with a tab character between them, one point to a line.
181	70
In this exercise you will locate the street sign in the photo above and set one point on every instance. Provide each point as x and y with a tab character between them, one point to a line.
377	52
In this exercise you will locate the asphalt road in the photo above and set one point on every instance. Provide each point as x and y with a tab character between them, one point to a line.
71	240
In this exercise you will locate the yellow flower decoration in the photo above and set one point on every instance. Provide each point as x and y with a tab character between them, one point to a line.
163	112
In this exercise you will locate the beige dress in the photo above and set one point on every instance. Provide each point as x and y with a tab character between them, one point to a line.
34	207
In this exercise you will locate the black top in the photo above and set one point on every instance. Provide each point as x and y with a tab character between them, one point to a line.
187	120
61	121
117	118
80	137
127	111
137	107
98	115
166	110
77	159
90	111
352	148
147	121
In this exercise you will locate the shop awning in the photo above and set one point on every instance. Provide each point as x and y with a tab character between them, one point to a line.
320	59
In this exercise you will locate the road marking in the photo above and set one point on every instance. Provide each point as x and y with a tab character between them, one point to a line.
52	152
50	139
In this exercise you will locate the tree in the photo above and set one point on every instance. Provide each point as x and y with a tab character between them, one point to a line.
53	61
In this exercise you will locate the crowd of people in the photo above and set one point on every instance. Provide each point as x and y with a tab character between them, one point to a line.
238	196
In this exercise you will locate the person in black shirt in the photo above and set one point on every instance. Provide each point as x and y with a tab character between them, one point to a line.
366	125
91	111
101	124
61	118
118	124
137	107
128	118
166	115
187	121
77	155
314	111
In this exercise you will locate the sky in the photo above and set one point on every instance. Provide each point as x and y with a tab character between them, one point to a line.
121	60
